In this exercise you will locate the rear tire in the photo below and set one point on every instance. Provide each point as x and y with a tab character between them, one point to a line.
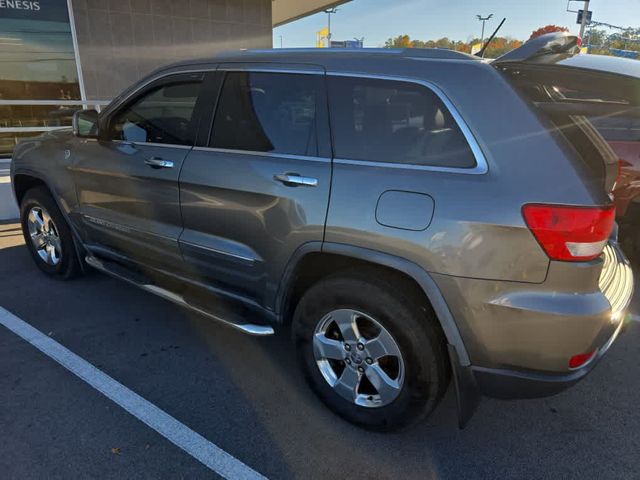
47	235
419	376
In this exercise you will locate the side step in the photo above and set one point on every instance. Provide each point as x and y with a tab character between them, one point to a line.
122	273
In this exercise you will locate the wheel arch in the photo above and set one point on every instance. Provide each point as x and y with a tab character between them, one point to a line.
331	256
25	180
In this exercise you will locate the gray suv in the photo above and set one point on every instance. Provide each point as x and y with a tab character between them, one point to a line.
412	215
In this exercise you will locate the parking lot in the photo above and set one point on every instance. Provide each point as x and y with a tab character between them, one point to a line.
246	396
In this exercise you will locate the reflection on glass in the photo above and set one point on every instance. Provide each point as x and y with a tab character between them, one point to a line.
37	62
36	53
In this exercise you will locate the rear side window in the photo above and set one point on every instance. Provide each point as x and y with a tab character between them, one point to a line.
269	112
392	121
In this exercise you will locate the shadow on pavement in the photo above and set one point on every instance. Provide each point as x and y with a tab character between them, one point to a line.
247	396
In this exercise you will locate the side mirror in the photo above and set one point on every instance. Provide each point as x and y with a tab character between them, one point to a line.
85	124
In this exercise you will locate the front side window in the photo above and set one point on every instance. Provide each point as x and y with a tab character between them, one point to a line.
162	115
393	121
268	112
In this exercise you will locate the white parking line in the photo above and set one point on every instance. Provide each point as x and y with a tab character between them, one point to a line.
177	433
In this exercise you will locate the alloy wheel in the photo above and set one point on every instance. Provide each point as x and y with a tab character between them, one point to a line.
358	358
44	236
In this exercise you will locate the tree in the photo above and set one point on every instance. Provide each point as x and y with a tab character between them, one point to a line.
401	41
596	36
547	29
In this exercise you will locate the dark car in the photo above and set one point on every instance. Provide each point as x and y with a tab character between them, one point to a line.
408	227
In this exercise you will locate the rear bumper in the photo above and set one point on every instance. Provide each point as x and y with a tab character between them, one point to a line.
616	284
511	384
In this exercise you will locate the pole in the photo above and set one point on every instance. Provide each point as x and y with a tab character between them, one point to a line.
483	20
585	11
329	12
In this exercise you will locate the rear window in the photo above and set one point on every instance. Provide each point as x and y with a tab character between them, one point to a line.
392	121
587	111
617	129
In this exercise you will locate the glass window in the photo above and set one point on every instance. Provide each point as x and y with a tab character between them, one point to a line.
163	115
399	122
268	112
618	128
37	62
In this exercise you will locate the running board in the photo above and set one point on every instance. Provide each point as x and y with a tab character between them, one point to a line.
120	273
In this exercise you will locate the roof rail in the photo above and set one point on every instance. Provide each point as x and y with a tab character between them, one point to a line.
437	53
442	53
549	44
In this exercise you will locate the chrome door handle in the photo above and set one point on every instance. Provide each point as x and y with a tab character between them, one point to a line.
155	162
295	180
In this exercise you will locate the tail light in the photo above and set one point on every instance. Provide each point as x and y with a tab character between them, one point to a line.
581	359
567	233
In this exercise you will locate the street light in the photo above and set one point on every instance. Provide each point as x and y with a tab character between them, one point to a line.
330	11
483	20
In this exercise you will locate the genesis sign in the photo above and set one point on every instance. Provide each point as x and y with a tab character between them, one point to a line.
43	10
20	5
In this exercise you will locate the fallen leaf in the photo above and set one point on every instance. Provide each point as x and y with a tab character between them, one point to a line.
115	451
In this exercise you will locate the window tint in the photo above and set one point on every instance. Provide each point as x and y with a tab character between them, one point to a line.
163	115
389	121
618	128
268	112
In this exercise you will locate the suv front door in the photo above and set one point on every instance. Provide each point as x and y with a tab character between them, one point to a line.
258	187
127	182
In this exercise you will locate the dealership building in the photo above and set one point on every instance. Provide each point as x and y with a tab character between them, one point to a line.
57	55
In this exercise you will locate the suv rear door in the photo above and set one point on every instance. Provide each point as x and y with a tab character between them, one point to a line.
256	187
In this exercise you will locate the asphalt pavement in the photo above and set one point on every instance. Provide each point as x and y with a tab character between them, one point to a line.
246	396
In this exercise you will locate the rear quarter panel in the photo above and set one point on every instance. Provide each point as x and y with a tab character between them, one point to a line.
477	229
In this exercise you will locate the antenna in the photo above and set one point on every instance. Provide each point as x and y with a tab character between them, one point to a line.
483	49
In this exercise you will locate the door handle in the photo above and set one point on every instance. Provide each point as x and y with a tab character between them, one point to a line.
295	180
155	162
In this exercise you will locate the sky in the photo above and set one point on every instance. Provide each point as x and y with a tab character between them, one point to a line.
378	20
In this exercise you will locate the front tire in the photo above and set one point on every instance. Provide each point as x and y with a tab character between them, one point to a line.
47	235
372	353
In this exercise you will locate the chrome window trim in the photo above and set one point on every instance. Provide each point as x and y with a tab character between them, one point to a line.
153	144
481	167
263	154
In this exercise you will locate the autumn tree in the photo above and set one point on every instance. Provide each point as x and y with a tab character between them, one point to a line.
401	41
547	29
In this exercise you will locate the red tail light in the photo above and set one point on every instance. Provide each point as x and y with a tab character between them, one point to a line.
579	360
570	233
